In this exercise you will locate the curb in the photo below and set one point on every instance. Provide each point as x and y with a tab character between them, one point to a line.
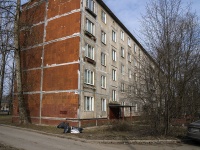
102	141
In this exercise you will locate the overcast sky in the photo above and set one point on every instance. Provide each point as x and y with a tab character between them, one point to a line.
129	12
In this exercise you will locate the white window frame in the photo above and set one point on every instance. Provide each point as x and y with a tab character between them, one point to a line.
122	69
114	55
103	81
89	103
89	51
129	41
103	59
122	52
90	4
122	35
90	26
103	16
129	57
129	73
103	104
114	95
114	75
103	37
136	107
89	77
114	36
122	87
135	48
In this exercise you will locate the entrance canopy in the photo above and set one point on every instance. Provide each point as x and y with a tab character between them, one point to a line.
116	111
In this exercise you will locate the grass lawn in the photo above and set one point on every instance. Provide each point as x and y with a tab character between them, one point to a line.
117	131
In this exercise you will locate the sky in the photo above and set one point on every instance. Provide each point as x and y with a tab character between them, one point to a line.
129	12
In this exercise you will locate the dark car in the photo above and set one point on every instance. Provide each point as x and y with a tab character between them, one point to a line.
194	130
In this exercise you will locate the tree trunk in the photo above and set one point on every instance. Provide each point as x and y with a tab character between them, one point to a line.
3	63
21	104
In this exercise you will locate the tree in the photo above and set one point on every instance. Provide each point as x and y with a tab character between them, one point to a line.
172	35
22	108
11	10
6	50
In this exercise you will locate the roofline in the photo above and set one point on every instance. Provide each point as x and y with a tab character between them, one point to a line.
123	27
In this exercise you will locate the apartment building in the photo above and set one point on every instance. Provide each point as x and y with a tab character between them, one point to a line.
78	62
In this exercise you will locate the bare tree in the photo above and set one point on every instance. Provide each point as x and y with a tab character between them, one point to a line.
173	36
10	10
22	108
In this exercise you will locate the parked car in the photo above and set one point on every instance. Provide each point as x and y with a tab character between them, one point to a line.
194	130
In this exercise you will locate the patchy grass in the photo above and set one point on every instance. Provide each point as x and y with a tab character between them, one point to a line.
117	130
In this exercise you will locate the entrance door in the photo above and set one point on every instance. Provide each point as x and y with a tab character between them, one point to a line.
114	113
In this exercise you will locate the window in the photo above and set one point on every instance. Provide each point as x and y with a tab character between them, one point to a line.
114	38
123	103
90	26
89	103
135	48
129	41
129	57
122	87
114	75
136	107
114	57
91	5
122	52
114	95
129	73
89	51
103	104
122	69
103	81
103	59
103	16
129	89
103	37
122	36
135	62
89	77
135	76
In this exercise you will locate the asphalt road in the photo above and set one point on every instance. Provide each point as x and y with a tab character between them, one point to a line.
35	141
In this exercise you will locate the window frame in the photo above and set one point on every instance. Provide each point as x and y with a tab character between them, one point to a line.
122	52
129	57
91	25
103	61
135	48
122	35
114	36
114	95
114	75
129	73
88	103
90	6
103	37
103	105
129	41
103	16
103	81
122	87
122	69
91	51
114	55
89	77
